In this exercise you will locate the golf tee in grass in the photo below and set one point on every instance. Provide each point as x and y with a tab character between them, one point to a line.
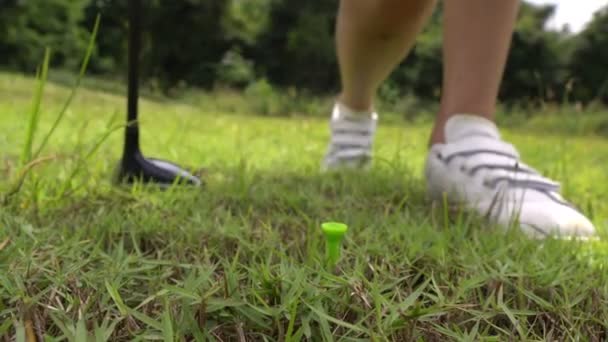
334	233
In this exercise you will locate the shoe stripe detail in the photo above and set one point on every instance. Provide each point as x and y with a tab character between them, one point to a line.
349	139
342	147
358	132
535	227
447	159
350	153
356	120
346	158
349	126
523	183
515	168
556	199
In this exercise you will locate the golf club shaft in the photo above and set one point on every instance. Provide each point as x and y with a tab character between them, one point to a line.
132	130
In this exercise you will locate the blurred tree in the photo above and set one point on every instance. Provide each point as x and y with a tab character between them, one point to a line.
589	64
243	24
289	43
245	20
28	27
111	54
297	48
537	59
185	40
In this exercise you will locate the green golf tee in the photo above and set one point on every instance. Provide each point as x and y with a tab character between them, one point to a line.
334	233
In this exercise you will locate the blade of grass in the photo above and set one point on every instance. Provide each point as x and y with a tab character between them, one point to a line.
104	332
34	114
19	332
292	321
5	326
113	292
147	320
88	155
68	102
81	331
325	317
68	331
168	333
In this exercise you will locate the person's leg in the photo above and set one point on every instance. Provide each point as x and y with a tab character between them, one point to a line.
372	37
477	35
468	162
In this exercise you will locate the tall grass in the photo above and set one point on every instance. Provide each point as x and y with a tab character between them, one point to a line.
30	158
34	114
68	101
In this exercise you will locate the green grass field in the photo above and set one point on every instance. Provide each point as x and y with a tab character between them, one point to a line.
242	258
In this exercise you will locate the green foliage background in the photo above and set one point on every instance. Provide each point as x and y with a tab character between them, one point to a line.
289	43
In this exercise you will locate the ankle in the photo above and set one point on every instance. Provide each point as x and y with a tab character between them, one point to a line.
356	105
345	111
438	136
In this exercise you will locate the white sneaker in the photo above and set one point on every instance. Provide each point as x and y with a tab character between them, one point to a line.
352	138
479	170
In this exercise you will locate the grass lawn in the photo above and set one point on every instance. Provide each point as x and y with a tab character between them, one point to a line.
242	258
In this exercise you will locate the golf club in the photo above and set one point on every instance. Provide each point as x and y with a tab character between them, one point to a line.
134	166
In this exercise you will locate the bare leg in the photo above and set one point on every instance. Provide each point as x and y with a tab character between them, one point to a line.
477	36
486	175
373	36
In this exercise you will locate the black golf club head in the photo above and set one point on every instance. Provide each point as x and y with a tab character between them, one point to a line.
134	167
137	168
